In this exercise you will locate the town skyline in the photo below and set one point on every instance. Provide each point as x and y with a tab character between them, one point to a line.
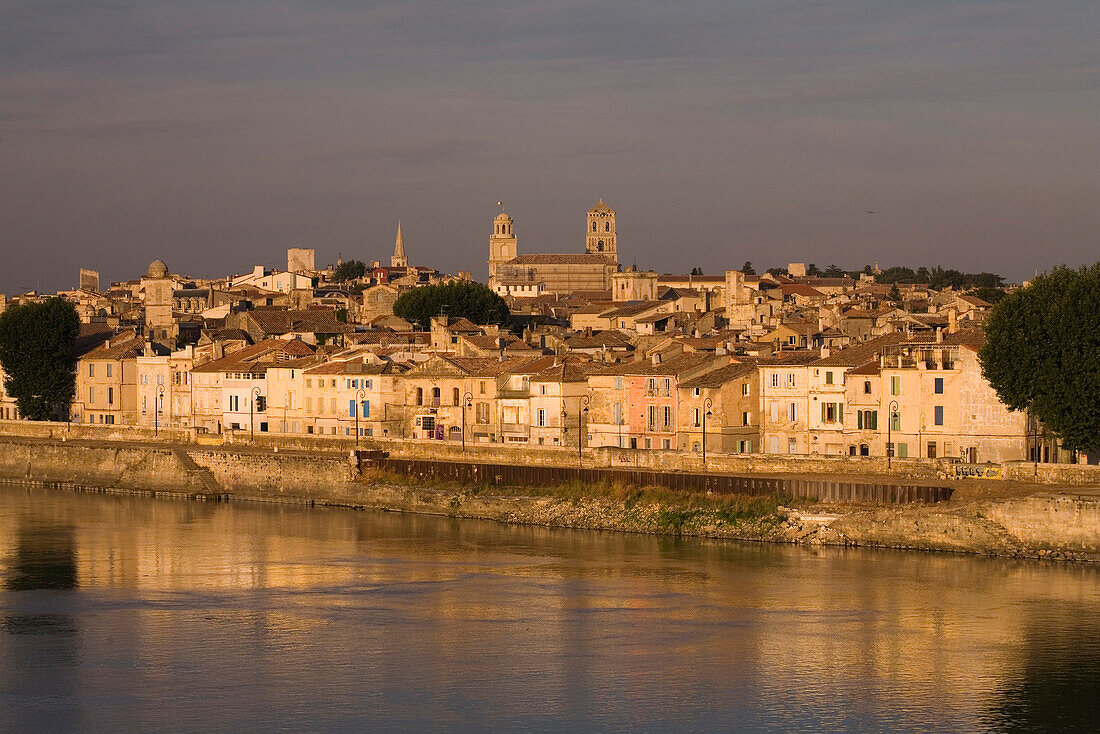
218	136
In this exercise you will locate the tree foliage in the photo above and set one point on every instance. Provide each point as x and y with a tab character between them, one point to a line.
939	278
36	352
350	270
747	268
461	299
895	294
1042	353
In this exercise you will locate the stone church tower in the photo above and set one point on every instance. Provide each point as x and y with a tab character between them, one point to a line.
399	260
600	239
502	244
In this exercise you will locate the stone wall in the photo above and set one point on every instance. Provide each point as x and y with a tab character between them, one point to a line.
1062	521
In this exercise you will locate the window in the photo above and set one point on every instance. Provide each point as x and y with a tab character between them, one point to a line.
939	386
744	447
110	395
773	444
867	420
108	369
866	387
435	396
618	383
903	450
746	418
351	408
666	417
792	445
666	387
938	415
931	449
91	369
697	392
482	412
652	418
456	397
775	379
309	382
774	410
829	377
744	389
365	408
542	389
91	394
696	447
481	387
542	418
695	415
895	385
309	405
793	412
790	379
618	414
832	412
419	396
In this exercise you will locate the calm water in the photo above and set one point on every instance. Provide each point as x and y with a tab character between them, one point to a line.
127	614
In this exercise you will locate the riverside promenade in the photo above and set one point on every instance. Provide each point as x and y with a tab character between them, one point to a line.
991	516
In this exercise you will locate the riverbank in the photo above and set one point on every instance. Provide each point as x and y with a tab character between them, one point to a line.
1027	522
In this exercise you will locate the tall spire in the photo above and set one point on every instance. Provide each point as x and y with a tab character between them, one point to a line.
399	260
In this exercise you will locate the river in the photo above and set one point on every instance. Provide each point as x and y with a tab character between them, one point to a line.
122	613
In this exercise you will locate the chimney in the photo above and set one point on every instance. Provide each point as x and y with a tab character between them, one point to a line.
939	335
825	352
656	359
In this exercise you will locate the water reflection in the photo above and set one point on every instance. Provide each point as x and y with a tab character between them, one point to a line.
289	619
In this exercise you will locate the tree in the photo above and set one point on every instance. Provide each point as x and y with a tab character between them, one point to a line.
833	272
1041	353
36	352
350	270
747	268
696	271
895	294
461	299
989	295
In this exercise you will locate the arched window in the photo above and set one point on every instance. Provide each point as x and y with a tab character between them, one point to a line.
419	396
593	226
599	246
607	227
435	397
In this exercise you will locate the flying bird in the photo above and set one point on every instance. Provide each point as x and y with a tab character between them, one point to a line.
870	212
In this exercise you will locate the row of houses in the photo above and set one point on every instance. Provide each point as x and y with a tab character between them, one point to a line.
915	396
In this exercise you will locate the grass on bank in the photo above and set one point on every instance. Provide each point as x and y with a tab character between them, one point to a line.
668	511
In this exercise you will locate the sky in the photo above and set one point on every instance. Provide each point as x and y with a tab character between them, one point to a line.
214	135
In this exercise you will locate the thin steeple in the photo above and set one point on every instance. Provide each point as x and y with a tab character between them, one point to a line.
399	260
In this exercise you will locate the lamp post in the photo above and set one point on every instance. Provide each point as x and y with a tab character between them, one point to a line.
581	412
359	395
707	404
252	411
467	401
890	433
156	410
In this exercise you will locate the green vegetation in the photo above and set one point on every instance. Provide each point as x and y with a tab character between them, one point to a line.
462	299
36	352
939	278
747	268
350	270
989	295
894	296
1042	353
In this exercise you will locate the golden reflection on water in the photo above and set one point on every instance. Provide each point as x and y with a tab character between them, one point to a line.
432	620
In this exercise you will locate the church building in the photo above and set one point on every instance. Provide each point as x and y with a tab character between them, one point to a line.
537	274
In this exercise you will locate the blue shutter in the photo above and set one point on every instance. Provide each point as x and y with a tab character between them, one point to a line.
939	415
366	409
351	408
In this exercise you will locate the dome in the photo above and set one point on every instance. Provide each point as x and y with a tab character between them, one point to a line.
502	217
157	269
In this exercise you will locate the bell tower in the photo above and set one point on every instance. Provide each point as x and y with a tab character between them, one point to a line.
502	244
600	237
398	260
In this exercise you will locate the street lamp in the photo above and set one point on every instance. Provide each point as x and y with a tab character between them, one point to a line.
467	401
156	410
251	411
359	395
707	404
890	433
581	412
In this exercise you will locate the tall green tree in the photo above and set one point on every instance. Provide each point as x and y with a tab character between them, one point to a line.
461	299
1042	353
894	295
36	352
350	270
747	268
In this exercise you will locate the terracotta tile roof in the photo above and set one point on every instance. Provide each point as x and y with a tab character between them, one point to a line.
859	354
672	366
123	346
258	357
722	375
315	321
